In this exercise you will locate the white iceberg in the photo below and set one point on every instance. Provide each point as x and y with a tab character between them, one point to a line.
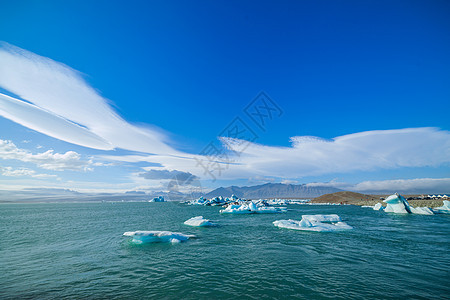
199	222
252	208
314	223
421	211
377	206
444	209
143	237
397	204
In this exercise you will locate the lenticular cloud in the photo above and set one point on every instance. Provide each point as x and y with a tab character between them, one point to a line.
63	105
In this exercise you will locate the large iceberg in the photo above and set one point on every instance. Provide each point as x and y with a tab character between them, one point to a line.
444	209
397	204
143	237
252	208
199	222
314	223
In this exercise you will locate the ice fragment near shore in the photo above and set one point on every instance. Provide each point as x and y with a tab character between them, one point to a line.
377	206
397	204
444	209
199	222
314	223
143	237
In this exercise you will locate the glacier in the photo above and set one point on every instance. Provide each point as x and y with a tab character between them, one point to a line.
199	222
319	223
144	237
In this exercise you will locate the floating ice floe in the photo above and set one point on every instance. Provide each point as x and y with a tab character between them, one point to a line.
398	204
216	201
314	223
444	209
252	208
157	199
143	237
221	201
377	206
199	222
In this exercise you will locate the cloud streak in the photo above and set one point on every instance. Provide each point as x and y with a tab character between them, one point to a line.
63	105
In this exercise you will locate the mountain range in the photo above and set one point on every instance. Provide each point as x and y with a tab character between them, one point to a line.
273	190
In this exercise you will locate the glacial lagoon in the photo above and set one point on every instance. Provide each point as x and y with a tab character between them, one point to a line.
78	251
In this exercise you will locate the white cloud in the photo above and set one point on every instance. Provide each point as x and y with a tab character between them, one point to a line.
288	181
418	185
47	160
364	151
64	106
23	172
407	186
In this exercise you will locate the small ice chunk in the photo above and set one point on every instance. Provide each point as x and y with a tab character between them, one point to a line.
314	223
444	209
377	206
199	222
141	237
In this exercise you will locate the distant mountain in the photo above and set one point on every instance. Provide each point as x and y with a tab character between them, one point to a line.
273	190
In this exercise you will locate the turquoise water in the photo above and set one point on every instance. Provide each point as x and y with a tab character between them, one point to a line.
76	250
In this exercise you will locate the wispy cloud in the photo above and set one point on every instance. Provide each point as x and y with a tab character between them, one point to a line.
185	177
409	186
23	172
46	160
364	151
63	105
57	101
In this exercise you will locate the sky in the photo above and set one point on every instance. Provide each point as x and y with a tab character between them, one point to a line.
115	96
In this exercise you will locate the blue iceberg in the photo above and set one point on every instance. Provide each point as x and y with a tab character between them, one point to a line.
397	204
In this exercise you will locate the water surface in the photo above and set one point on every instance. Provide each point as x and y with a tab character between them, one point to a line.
76	250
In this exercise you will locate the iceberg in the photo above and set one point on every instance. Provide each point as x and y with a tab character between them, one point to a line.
252	208
397	204
320	223
199	222
157	199
377	206
144	237
444	209
421	211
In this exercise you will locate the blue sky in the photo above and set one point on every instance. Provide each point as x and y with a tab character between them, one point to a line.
182	71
